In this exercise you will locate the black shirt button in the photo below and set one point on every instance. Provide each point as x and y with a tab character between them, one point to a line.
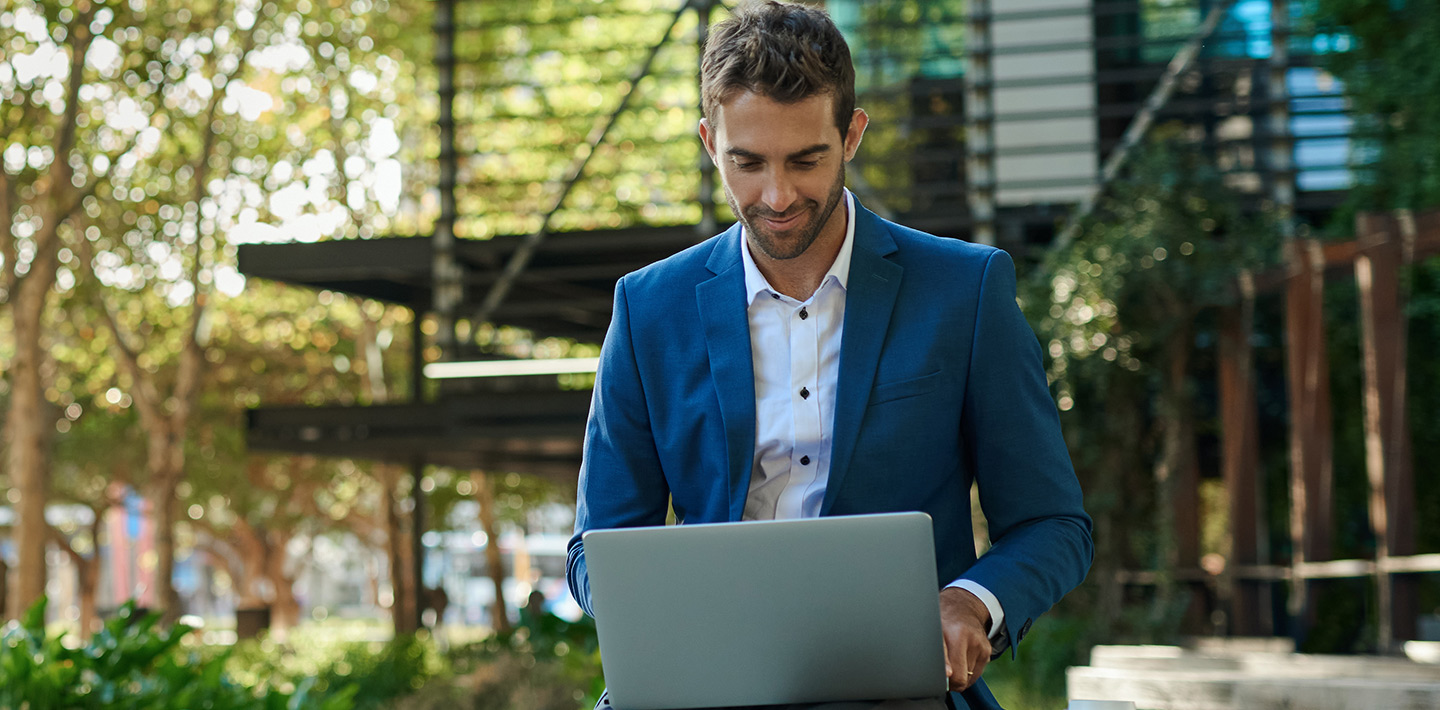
804	460
803	314
775	296
804	393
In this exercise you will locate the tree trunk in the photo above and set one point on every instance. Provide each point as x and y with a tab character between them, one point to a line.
372	574
1176	472
284	610
87	571
485	494
29	424
1113	501
86	577
402	609
249	544
163	504
89	577
4	589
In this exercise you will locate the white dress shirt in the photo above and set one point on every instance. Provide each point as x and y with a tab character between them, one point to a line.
795	350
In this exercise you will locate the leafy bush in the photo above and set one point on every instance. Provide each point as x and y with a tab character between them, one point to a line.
375	672
132	663
1036	677
546	663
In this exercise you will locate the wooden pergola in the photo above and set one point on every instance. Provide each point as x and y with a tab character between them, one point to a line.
1383	243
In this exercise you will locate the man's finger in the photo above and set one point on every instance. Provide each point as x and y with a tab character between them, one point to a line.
957	666
981	660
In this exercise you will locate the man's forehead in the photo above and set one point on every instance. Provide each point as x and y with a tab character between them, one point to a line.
754	121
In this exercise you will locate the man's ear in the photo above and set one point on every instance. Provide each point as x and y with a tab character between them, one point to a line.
707	137
858	121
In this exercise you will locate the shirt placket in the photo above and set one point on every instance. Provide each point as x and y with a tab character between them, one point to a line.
805	402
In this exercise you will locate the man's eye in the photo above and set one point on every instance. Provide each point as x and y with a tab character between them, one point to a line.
747	166
806	164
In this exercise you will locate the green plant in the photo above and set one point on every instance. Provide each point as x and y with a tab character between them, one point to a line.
1035	678
133	663
374	672
545	663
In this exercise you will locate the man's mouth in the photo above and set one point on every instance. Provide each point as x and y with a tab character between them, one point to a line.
781	224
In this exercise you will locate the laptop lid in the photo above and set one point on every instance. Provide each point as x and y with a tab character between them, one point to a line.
765	613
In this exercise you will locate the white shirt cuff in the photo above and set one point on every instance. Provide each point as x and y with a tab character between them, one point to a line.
997	614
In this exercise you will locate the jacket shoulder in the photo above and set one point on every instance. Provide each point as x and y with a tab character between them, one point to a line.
947	252
675	271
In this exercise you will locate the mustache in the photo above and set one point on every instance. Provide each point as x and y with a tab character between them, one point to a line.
764	213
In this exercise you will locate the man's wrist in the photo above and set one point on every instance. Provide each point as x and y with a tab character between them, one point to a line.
995	614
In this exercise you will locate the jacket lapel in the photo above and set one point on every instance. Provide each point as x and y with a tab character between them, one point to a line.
873	285
721	301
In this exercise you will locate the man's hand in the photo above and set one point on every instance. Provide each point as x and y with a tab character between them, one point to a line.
963	624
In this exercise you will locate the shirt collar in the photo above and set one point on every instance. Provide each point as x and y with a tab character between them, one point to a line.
755	283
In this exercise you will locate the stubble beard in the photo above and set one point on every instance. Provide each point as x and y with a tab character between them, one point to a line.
794	241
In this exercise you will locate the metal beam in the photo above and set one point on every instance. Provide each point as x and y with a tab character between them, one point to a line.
521	258
447	275
1282	147
1140	125
705	9
981	179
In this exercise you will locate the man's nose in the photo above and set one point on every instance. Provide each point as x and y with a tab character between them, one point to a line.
779	194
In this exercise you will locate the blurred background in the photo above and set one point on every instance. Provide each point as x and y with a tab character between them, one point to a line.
299	301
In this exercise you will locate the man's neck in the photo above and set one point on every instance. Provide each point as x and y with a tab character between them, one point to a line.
800	277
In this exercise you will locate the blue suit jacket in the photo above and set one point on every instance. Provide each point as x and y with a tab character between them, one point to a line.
941	384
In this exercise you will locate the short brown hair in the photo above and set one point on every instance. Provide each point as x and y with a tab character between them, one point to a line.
783	51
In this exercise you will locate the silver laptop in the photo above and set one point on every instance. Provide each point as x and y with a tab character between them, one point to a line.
765	613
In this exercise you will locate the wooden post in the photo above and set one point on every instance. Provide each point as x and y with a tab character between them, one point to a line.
1387	435
1240	464
1308	376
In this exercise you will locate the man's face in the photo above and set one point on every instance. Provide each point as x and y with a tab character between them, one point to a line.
783	167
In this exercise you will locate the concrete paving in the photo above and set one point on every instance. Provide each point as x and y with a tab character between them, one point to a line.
1252	674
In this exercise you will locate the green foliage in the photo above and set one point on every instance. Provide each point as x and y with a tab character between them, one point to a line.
1035	678
1423	310
1393	85
1119	313
1169	240
545	663
543	77
132	663
374	673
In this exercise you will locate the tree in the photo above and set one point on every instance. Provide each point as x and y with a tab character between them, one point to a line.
179	239
260	82
98	483
283	345
63	135
1387	66
1119	314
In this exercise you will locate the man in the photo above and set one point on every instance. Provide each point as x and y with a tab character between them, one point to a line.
817	360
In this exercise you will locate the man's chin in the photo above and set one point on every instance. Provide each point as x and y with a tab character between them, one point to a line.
787	245
783	244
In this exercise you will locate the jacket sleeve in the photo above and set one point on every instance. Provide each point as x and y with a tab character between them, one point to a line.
1040	535
621	483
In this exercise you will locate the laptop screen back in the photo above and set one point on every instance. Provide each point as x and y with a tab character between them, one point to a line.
763	613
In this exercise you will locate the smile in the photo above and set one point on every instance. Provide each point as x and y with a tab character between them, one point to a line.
783	224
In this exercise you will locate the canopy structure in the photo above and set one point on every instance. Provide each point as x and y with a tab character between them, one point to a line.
568	157
965	110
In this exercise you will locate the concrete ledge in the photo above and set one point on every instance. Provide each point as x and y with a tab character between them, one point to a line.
1240	677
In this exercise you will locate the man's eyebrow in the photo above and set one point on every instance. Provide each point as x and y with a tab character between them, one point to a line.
802	153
